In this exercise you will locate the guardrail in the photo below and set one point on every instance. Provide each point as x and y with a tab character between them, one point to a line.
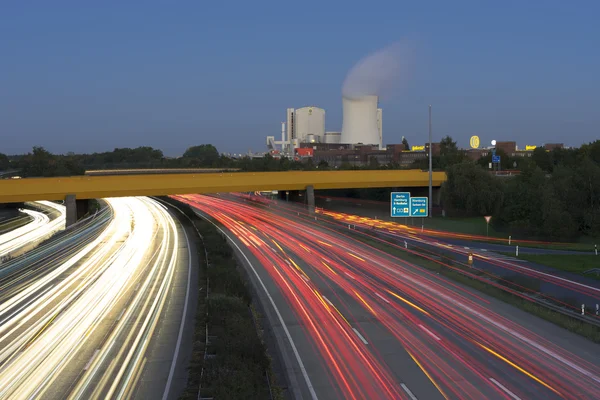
535	297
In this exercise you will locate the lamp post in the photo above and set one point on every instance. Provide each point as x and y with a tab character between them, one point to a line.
430	169
493	154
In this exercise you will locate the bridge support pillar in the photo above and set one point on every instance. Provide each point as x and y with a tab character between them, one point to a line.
76	209
310	199
71	205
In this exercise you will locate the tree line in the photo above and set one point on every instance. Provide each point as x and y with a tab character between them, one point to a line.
41	163
556	195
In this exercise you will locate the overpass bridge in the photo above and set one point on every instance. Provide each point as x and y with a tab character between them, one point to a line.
76	188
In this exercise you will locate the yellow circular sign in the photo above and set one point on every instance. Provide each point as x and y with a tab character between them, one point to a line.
474	142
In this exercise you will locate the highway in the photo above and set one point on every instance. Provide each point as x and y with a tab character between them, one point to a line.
99	312
567	289
354	323
48	219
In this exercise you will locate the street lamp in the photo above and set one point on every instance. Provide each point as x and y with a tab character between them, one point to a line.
493	153
430	170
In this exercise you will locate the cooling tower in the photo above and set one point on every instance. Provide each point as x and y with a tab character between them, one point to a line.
359	124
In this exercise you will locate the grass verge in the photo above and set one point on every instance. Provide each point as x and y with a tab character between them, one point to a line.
232	362
574	263
574	325
468	225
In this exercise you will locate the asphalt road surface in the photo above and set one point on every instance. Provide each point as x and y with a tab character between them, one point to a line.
354	323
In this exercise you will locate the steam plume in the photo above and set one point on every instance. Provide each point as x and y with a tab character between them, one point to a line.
378	73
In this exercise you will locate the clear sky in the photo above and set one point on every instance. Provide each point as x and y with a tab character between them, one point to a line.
92	76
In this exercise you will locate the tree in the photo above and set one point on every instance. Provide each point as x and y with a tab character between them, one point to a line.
206	154
449	154
4	162
40	162
405	143
470	190
542	159
373	162
448	145
506	162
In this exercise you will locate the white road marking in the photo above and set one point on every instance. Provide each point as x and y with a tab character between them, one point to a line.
327	300
121	315
350	276
382	298
429	332
91	359
185	306
467	248
311	389
360	336
501	386
408	392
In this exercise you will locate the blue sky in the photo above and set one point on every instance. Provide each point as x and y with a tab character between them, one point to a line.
93	77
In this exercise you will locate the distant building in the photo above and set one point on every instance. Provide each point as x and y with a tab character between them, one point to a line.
435	148
507	147
476	154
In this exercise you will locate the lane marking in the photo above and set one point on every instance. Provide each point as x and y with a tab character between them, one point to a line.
467	248
91	359
349	276
382	298
183	317
408	392
311	389
360	336
429	332
121	315
501	386
327	300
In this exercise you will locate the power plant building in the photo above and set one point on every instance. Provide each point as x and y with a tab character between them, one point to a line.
361	121
362	124
309	124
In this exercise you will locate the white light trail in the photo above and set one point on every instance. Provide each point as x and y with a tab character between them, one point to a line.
91	314
40	228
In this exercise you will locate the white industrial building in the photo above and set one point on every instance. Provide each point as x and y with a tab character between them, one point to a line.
309	125
362	124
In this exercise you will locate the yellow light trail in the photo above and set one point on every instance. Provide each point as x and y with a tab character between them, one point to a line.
427	374
329	268
408	302
357	257
512	364
365	303
278	246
